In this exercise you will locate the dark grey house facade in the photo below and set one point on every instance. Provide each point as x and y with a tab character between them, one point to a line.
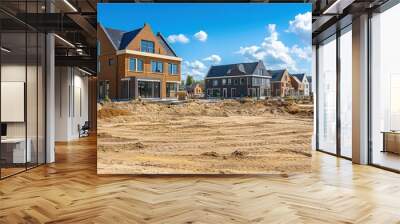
238	80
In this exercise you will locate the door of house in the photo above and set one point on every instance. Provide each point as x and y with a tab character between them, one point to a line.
233	92
225	93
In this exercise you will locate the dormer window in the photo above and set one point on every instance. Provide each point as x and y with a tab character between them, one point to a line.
147	46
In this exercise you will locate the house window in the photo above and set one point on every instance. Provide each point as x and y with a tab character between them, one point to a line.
132	64
98	66
139	65
172	89
229	81
241	81
223	81
235	81
156	66
215	82
98	48
110	61
147	46
104	89
172	69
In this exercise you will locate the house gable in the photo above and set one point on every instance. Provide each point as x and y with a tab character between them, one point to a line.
260	66
146	33
285	76
302	77
107	46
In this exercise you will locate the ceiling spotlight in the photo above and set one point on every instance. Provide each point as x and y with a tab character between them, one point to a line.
5	50
84	71
64	40
70	5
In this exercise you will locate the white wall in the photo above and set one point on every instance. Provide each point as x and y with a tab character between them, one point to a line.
71	102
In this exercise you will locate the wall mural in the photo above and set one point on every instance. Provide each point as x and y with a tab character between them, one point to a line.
204	88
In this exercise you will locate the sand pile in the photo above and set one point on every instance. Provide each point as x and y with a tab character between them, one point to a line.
223	108
111	112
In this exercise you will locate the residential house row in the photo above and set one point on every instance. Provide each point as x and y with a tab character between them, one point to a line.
254	80
141	64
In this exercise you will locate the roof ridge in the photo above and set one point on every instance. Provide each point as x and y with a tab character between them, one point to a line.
234	64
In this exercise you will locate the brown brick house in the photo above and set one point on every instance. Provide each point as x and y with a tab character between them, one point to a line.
281	83
298	87
196	89
304	89
136	64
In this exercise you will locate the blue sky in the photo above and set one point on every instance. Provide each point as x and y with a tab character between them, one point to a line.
209	34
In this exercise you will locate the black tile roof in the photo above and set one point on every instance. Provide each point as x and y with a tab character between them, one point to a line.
234	69
299	76
127	38
121	39
165	45
277	74
115	36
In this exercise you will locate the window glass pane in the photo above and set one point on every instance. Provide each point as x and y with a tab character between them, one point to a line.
98	48
139	65
153	66
132	64
385	89
327	96
346	93
159	67
172	69
147	46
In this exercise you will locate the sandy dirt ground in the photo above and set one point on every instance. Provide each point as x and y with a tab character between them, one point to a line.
203	137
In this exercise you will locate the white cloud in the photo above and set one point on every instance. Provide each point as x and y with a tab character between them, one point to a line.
195	68
304	53
273	51
252	52
201	36
180	38
214	59
301	24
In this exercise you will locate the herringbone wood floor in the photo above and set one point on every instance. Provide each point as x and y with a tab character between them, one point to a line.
69	191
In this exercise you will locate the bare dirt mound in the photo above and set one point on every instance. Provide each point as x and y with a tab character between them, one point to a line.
222	108
111	112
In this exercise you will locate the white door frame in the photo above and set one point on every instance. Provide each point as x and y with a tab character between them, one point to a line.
225	93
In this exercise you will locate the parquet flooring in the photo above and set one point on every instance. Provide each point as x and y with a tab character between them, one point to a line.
69	191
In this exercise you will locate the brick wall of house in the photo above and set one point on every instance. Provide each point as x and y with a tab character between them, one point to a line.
119	67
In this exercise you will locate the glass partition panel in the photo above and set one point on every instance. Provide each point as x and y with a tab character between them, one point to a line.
14	154
327	95
31	98
41	99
